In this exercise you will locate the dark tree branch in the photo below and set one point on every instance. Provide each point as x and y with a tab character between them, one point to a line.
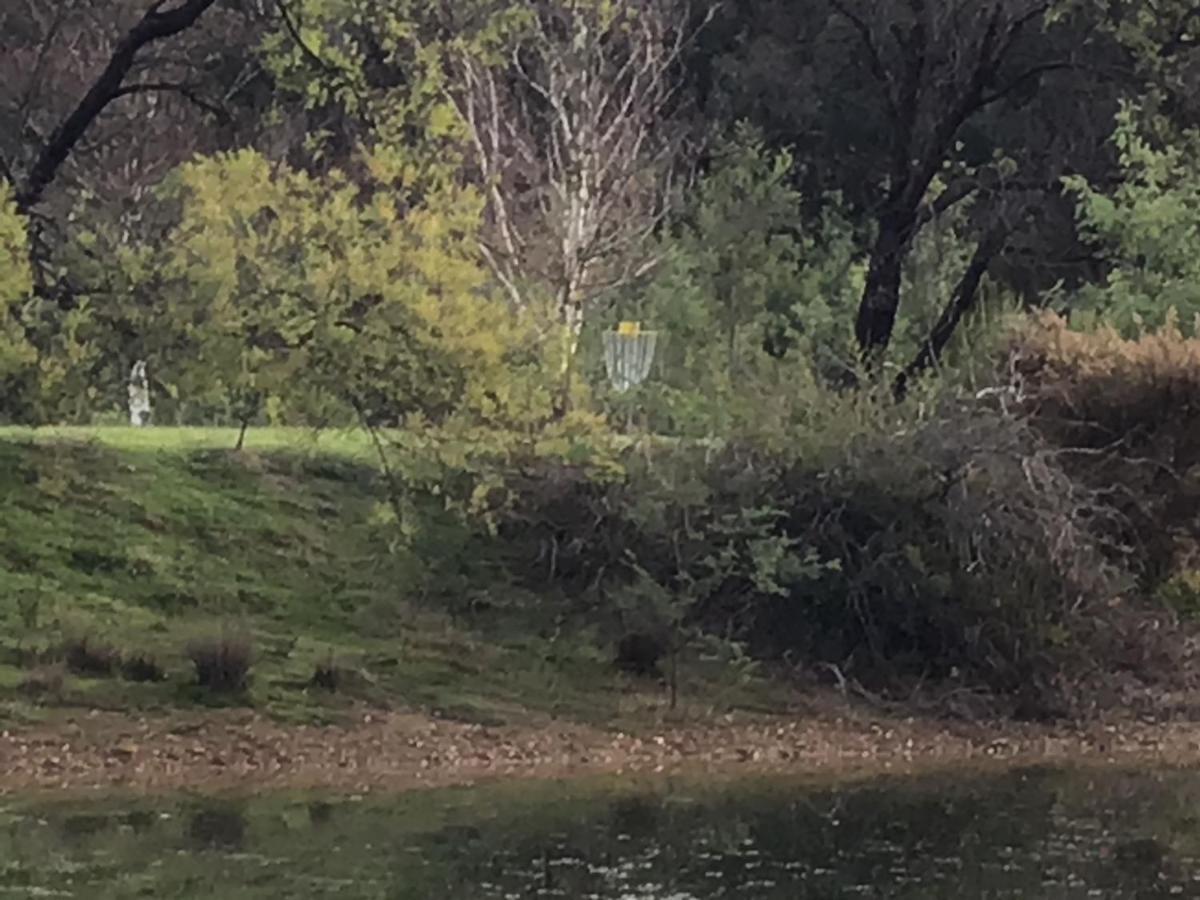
955	193
184	90
1019	25
908	102
293	30
154	25
961	302
878	70
1020	80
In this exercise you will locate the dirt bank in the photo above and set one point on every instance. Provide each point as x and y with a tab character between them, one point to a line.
401	751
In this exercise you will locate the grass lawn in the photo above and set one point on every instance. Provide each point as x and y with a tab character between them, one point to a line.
147	538
350	444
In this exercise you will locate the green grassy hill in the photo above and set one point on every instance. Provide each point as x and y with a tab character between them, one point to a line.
143	540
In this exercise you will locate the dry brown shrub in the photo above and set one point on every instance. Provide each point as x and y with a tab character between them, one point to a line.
1126	414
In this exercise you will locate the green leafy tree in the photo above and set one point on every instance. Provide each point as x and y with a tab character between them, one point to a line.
741	295
298	297
1146	230
566	123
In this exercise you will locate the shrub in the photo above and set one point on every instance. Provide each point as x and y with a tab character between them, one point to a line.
142	667
640	654
1125	415
47	680
91	657
961	546
222	661
948	543
326	676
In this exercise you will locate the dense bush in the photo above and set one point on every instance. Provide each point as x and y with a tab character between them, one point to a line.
89	656
1125	414
222	661
963	548
895	545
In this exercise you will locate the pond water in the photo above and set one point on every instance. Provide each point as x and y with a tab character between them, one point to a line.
1024	834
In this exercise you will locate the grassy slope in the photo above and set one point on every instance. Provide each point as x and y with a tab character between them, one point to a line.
146	537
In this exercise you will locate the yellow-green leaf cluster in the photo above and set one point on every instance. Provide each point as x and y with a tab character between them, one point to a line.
16	282
317	290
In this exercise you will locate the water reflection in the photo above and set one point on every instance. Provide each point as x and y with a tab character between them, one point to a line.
1031	834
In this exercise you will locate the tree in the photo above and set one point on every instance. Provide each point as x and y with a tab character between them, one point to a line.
740	287
570	126
1145	229
567	110
292	295
937	65
156	24
915	109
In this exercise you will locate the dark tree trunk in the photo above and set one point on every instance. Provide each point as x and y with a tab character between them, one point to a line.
881	295
961	302
241	438
153	26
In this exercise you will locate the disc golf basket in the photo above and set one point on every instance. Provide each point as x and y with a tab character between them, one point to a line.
628	355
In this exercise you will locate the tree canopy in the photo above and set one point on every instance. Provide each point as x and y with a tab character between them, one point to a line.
444	202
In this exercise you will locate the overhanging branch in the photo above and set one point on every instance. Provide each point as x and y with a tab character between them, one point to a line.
1021	80
155	25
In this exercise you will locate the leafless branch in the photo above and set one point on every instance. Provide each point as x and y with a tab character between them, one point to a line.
574	155
874	58
183	90
154	25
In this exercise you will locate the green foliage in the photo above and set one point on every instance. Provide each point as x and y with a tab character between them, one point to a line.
291	294
16	285
1181	593
743	301
706	558
895	543
1147	230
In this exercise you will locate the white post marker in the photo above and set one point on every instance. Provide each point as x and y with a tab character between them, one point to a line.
628	355
139	395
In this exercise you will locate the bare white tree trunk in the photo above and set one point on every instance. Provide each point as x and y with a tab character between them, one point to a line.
571	136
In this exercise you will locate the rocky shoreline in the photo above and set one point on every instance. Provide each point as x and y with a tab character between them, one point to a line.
241	751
